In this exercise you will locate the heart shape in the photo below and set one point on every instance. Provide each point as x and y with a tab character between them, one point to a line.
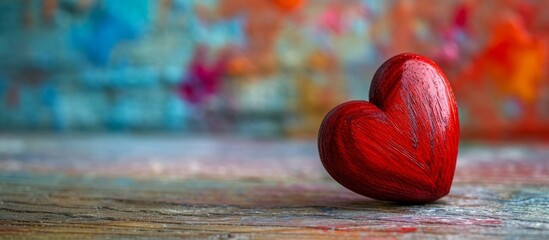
402	145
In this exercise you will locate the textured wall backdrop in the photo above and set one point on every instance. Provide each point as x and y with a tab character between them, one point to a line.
262	67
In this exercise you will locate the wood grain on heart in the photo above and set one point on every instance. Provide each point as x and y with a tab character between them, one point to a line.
401	145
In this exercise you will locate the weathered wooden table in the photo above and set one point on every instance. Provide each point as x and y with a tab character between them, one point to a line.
170	187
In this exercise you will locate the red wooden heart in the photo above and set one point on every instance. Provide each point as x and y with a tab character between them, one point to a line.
402	145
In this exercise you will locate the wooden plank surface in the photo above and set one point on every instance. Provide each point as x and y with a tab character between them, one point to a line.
56	187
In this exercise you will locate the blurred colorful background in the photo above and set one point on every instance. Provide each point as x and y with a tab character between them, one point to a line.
263	67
